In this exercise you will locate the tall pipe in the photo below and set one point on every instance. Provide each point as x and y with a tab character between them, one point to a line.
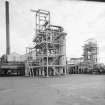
7	28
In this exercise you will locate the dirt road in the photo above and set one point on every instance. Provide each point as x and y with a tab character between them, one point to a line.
67	90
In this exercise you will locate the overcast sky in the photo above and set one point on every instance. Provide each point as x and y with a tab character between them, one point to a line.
81	20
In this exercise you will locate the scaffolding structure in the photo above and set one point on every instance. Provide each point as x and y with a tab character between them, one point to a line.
88	63
90	53
49	45
29	61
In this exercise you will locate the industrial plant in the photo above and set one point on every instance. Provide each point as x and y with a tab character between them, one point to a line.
88	62
49	47
52	52
48	55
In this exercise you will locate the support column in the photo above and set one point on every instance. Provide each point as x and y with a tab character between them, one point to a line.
65	70
47	56
53	71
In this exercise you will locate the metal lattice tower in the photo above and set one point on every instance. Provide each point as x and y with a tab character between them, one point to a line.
90	51
50	46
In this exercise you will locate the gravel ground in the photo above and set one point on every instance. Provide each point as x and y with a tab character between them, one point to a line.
65	90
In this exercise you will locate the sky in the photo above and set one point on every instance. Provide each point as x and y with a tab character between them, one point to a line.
81	21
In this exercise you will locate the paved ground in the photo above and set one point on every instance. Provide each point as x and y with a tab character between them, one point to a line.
69	90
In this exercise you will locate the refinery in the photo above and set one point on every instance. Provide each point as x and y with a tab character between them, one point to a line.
44	74
48	55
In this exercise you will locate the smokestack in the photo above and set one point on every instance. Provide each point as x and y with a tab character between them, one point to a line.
7	28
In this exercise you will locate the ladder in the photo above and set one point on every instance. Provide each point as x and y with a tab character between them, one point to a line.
29	68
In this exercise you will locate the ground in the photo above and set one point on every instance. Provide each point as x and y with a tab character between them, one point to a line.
66	90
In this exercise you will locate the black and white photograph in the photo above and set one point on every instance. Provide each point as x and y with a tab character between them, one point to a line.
52	52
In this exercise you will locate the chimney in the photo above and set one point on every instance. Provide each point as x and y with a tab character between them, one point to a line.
7	28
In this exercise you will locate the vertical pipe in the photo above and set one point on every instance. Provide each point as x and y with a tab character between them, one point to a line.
7	27
47	74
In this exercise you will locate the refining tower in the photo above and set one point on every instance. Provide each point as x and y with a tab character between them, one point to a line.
50	46
90	53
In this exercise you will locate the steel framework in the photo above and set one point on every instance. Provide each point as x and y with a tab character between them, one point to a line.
50	46
90	53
